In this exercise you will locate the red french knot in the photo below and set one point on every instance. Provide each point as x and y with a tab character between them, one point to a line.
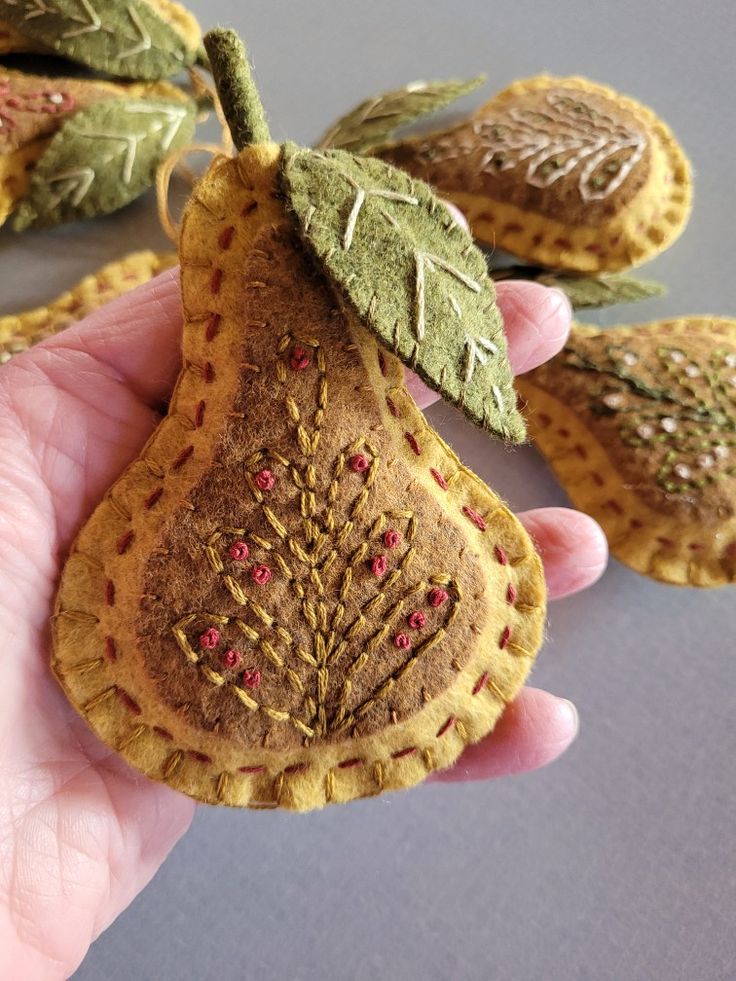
209	638
437	597
199	414
417	620
213	326
476	518
409	751
125	541
251	769
480	683
208	371
501	556
110	592
110	651
379	565
392	407
215	281
391	538
402	641
265	480
252	678
238	551
382	362
412	441
232	658
226	237
182	458
505	638
153	497
300	358
511	594
446	726
349	764
359	463
261	575
128	702
439	478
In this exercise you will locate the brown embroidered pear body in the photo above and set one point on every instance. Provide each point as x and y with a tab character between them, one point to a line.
296	595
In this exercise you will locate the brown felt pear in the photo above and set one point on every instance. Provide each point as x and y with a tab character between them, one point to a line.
297	594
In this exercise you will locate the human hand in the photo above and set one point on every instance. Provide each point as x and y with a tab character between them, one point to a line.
81	833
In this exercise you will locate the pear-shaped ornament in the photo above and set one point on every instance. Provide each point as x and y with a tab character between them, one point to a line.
297	594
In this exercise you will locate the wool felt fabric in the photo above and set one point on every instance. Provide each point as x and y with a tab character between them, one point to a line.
32	109
563	172
594	292
375	120
107	155
412	275
136	39
297	594
639	424
20	331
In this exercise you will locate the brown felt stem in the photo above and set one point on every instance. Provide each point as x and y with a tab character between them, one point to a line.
235	86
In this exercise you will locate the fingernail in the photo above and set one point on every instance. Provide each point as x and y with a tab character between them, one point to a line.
564	304
572	710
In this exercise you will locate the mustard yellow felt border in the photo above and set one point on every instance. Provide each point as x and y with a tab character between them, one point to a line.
93	604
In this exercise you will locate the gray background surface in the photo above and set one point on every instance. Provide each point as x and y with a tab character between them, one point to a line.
618	861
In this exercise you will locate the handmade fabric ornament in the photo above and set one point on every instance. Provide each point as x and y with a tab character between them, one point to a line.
137	39
73	148
562	172
297	594
20	331
639	425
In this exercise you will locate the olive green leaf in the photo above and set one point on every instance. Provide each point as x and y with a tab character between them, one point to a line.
104	157
602	291
126	38
411	273
374	121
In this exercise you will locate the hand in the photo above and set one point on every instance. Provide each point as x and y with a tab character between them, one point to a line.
81	833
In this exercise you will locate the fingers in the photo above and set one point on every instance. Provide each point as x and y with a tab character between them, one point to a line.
137	337
536	320
572	545
533	731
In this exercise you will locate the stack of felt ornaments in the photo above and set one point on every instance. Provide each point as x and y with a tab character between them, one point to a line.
298	595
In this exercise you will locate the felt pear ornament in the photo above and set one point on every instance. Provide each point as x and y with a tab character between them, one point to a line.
135	39
298	595
76	148
639	424
20	331
561	172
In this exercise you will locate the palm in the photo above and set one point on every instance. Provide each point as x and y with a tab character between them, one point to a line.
80	831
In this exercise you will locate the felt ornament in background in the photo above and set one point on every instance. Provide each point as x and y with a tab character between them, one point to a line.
20	331
585	292
75	148
639	425
136	39
297	595
561	172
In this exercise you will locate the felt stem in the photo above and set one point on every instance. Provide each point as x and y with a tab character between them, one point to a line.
235	86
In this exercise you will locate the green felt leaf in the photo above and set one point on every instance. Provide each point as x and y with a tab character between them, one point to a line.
411	273
126	38
374	121
603	291
102	158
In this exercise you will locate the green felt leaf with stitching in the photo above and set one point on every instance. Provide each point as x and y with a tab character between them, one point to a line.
126	38
589	292
374	121
412	275
102	158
